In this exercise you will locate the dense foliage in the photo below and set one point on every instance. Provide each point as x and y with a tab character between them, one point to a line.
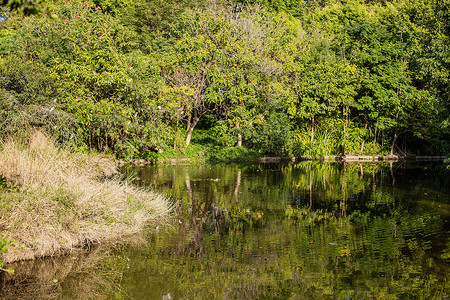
279	77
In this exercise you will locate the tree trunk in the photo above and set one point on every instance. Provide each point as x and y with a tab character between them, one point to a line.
345	139
375	138
362	144
393	142
345	131
198	111
239	134
189	136
191	129
188	125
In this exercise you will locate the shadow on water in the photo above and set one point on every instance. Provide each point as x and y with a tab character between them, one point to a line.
271	231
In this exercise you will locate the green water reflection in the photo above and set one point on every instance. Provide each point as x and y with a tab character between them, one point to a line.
286	231
303	230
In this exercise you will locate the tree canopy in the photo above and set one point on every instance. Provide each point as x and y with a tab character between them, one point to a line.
276	77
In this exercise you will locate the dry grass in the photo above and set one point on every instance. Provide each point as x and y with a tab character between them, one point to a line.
63	200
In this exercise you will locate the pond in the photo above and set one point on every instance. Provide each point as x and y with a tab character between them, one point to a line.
271	231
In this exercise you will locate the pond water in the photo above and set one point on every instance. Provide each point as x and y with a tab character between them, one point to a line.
271	231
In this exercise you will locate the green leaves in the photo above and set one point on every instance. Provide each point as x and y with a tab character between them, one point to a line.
165	64
4	247
28	7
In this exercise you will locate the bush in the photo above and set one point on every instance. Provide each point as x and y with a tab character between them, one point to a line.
328	139
272	136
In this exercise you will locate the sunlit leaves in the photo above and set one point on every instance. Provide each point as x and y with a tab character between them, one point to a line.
373	72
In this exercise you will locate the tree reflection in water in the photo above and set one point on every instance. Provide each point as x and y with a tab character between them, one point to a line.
305	231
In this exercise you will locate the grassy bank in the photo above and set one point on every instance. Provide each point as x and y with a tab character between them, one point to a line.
197	153
52	201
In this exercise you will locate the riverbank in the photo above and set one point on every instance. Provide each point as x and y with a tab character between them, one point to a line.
275	159
53	201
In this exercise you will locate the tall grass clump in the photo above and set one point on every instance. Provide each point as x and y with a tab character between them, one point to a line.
60	200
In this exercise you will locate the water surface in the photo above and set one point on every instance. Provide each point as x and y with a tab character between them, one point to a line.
274	231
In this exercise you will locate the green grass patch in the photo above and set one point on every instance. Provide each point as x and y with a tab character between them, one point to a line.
210	153
5	184
231	154
194	152
5	244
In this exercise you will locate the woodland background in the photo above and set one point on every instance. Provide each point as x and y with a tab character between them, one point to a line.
163	78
